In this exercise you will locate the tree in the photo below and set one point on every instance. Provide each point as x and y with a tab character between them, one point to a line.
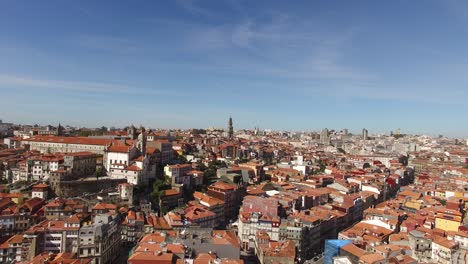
397	136
98	173
403	160
201	166
322	166
196	131
210	176
159	186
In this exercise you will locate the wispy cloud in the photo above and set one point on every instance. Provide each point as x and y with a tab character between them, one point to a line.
74	86
77	86
194	8
282	47
243	34
119	45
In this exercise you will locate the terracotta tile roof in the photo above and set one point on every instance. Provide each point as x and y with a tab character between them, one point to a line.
5	202
139	158
119	149
354	250
73	219
279	249
371	258
195	213
225	237
69	140
204	258
445	243
223	186
80	154
16	239
171	192
62	258
104	206
150	257
133	168
207	200
41	186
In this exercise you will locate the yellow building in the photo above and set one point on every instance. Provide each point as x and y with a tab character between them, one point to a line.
448	219
17	198
414	204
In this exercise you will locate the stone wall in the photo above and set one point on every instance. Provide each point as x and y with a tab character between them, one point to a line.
67	189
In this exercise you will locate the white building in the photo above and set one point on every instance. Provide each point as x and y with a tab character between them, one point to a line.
248	227
52	144
462	239
10	250
132	173
12	142
131	160
179	173
442	250
41	166
100	239
61	235
40	191
126	191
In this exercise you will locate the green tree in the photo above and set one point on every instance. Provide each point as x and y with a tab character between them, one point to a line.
159	186
98	174
210	176
201	166
322	166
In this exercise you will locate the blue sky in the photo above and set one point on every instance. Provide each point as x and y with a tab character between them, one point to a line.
298	65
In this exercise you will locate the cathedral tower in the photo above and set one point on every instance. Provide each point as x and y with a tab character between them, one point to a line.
230	129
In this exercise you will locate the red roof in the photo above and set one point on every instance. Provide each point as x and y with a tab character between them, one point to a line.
70	140
41	186
133	168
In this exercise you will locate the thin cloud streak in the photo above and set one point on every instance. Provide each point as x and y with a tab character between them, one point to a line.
193	8
281	47
75	86
112	44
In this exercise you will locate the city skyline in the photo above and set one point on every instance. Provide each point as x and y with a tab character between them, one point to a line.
356	132
379	66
